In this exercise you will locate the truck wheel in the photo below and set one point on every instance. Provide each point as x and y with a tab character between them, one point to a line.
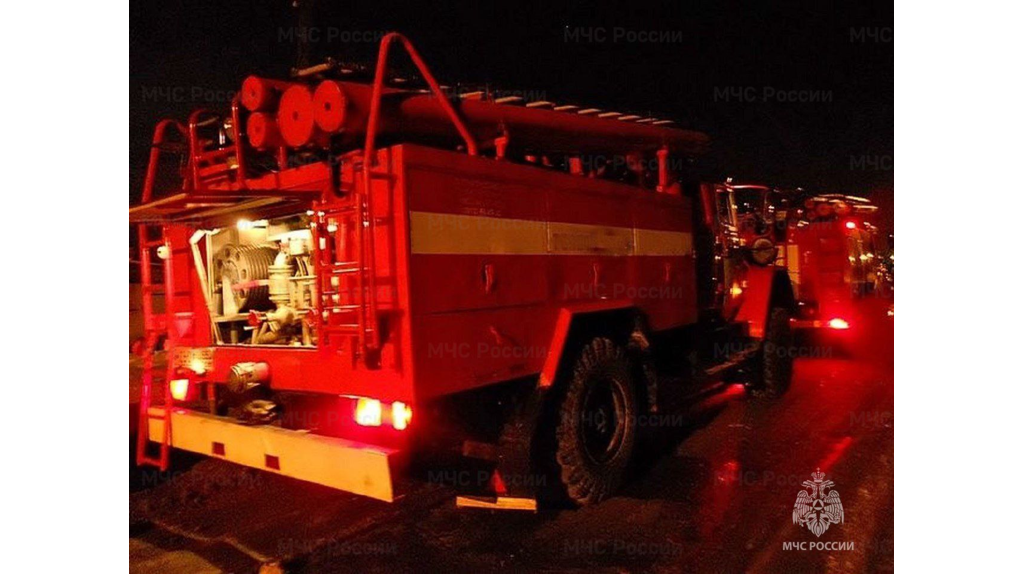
776	361
596	428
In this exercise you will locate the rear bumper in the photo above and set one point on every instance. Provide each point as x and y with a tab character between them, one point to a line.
338	463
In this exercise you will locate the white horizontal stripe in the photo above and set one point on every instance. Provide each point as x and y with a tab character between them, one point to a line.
446	233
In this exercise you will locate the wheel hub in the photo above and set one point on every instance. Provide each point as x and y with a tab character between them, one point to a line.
602	423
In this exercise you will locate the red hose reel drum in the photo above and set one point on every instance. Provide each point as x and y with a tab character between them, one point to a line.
329	106
295	116
263	131
260	94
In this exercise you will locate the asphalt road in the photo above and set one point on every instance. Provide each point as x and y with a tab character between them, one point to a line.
720	498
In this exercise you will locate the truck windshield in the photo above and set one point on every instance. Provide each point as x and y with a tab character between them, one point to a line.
749	201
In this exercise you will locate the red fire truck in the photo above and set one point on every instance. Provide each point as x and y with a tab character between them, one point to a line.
357	268
833	258
826	243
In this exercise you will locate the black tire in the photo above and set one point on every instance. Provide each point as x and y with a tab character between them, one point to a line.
774	369
596	429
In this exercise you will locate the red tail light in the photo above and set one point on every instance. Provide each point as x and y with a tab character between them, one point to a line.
372	413
179	389
401	414
368	412
839	324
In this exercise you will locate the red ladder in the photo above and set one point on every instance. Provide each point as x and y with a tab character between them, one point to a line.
177	308
339	314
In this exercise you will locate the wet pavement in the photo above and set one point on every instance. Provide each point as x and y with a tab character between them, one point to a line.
719	499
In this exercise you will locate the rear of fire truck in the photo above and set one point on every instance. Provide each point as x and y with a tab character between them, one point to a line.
351	269
833	259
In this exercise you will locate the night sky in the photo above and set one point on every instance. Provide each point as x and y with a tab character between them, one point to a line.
792	94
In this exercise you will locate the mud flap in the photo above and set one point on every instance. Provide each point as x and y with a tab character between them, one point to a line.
516	483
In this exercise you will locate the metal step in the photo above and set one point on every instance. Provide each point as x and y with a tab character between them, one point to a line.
732	362
345	271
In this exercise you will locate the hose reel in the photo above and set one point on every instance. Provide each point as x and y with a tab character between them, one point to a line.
245	271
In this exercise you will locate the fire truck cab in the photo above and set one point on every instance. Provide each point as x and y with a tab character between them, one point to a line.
355	271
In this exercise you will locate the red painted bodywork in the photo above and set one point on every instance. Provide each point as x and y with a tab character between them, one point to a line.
753	305
438	321
448	327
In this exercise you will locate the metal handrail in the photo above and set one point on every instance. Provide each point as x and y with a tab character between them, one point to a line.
435	88
365	235
236	125
193	142
154	154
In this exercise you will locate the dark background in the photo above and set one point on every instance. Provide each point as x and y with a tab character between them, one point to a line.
716	69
